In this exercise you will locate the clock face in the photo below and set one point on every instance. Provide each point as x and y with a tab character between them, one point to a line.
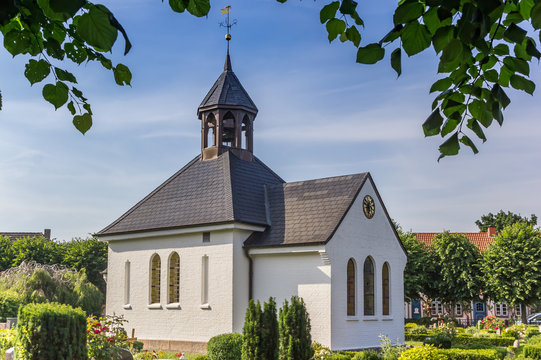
369	207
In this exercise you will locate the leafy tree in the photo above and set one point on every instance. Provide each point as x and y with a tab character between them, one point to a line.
38	249
502	219
269	331
251	344
5	253
295	341
511	266
88	254
458	262
420	269
483	47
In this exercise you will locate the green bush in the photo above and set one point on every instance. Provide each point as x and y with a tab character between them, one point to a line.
534	340
511	333
337	356
478	354
225	347
416	337
51	331
367	355
410	325
137	346
490	341
425	321
418	330
251	343
440	341
7	340
9	305
532	351
199	357
295	341
269	331
426	352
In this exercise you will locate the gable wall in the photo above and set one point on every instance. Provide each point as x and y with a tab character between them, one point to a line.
190	322
358	237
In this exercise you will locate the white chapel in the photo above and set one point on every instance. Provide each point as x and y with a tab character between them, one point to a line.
184	262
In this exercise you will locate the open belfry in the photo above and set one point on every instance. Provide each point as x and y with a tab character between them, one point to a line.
185	260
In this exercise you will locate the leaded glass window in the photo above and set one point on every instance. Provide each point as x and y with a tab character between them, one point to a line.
174	278
351	287
155	269
368	281
385	289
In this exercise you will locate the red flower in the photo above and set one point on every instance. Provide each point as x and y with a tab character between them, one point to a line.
96	331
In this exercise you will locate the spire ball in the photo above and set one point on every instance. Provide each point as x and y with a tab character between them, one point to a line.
228	37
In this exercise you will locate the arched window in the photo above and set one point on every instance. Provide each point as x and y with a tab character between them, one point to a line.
368	281
351	287
385	289
245	131
174	279
155	268
210	131
228	133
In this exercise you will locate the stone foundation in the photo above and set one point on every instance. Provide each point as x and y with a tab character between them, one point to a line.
191	347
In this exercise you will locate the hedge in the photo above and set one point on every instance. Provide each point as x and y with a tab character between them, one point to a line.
489	341
416	337
475	354
225	347
51	331
532	351
9	305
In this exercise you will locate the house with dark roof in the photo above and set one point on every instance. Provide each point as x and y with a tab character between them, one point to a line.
185	261
477	310
21	234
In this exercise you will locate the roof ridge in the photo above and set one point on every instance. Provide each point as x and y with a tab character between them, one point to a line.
133	208
327	178
269	170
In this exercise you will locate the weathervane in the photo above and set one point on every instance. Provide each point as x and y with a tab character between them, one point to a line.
227	24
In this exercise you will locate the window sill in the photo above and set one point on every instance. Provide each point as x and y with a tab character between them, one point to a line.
154	306
173	306
205	307
370	318
127	307
387	318
352	318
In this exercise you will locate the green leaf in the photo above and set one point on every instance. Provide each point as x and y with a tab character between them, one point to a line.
531	49
358	21
516	64
396	62
60	10
450	146
476	128
501	49
327	12
334	28
479	111
433	123
18	42
392	35
370	54
122	75
432	20
514	34
75	52
441	85
95	28
198	8
36	71
500	95
505	76
491	75
450	125
535	16
415	38
71	108
525	7
83	122
64	75
177	5
348	7
353	35
408	12
442	37
521	83
466	141
56	94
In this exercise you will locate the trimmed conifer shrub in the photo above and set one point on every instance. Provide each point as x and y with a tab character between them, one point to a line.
225	347
269	331
251	344
51	331
295	341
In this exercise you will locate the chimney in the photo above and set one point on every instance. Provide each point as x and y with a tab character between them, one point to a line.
47	234
491	231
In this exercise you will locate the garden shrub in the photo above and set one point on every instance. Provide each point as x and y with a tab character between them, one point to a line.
295	341
367	355
418	330
424	321
7	340
472	354
410	325
440	341
425	352
106	337
137	346
510	333
225	347
199	357
9	305
416	337
490	341
532	351
251	343
269	331
337	356
534	340
51	331
389	350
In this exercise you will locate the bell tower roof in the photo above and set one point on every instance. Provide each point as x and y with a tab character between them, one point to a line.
227	92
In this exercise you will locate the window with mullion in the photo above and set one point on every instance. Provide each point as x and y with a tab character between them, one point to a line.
368	281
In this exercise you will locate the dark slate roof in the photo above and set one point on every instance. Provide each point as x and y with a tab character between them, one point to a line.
228	90
307	212
18	235
221	190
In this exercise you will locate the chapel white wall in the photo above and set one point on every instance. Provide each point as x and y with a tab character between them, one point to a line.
302	274
358	237
190	322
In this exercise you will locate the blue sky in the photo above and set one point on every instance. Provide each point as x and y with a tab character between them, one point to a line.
320	114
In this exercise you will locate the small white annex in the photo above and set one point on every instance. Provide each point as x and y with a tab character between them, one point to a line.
184	261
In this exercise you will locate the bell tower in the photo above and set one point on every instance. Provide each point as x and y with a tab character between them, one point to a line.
227	114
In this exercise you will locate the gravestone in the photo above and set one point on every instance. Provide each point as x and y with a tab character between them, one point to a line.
10	354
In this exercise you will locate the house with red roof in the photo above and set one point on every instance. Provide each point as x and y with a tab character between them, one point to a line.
479	309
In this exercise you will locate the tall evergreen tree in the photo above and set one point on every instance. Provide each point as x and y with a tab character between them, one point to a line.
269	331
295	341
251	343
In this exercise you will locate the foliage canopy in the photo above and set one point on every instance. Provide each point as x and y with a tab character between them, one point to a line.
484	47
502	219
